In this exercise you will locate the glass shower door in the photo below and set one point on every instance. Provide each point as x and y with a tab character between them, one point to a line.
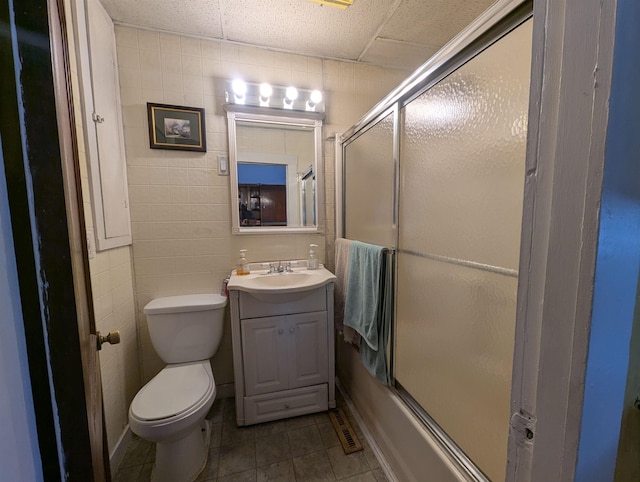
462	162
369	179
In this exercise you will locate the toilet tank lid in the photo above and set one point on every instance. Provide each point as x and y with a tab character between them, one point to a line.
184	303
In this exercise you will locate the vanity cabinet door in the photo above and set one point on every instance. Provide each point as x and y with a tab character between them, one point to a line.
264	348
308	349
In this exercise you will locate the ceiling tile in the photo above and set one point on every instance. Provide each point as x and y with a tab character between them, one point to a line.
398	55
365	31
305	27
432	22
192	17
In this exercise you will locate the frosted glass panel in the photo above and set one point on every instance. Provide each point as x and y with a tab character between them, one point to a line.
369	185
461	191
463	150
455	349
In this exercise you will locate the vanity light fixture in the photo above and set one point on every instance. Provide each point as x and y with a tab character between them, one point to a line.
263	94
314	99
290	96
239	88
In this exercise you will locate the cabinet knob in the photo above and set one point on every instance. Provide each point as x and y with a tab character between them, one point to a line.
292	330
280	331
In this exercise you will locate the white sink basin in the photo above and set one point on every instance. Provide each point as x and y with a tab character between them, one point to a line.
262	282
283	280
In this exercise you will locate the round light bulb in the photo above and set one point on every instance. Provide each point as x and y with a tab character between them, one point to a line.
239	87
316	97
292	93
266	90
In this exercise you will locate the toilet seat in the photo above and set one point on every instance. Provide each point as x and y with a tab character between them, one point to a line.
174	392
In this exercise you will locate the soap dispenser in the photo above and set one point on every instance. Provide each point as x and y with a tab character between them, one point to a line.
242	267
312	260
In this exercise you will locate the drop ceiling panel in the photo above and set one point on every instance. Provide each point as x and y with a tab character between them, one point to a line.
399	55
192	17
366	31
432	22
305	27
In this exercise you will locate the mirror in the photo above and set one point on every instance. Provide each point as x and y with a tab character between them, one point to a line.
275	164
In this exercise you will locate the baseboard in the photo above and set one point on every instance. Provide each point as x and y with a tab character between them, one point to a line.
227	390
384	465
120	450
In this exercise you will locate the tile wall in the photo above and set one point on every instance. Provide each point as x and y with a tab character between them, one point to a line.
180	206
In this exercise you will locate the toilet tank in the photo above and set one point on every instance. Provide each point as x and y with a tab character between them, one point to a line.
186	328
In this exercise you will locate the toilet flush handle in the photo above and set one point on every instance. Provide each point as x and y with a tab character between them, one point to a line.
113	337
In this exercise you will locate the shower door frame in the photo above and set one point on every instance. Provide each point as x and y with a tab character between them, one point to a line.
497	22
571	83
527	389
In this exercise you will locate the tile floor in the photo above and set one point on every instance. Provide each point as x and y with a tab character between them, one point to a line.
298	449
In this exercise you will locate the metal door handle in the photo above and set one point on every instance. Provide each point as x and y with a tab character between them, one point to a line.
113	337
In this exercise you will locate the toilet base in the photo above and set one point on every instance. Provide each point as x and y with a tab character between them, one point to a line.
184	459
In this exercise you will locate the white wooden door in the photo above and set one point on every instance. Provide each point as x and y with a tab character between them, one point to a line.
103	129
308	351
106	99
264	348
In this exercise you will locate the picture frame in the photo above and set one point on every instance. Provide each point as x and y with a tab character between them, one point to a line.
176	127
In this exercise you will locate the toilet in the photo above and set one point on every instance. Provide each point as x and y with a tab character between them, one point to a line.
170	410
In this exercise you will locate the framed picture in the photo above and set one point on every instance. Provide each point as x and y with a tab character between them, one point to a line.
176	127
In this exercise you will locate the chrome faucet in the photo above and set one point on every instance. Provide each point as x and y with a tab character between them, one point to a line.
281	268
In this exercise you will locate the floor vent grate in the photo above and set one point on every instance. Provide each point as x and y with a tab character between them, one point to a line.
348	438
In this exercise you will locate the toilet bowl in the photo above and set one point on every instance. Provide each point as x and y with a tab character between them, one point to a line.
170	409
172	402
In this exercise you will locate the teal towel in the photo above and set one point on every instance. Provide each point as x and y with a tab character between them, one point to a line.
369	304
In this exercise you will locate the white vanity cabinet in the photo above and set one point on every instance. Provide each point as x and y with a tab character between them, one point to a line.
283	354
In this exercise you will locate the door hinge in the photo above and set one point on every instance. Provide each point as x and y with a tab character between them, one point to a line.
98	119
